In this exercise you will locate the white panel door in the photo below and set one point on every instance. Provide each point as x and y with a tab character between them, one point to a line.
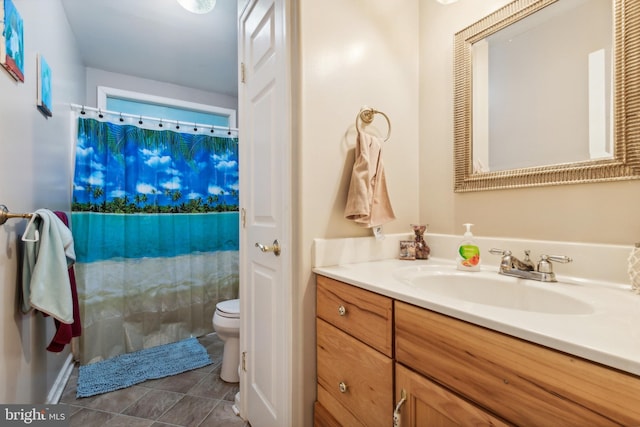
265	278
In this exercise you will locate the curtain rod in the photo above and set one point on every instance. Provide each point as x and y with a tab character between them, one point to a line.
99	111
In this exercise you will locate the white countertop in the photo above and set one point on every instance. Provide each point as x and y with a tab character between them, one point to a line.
609	335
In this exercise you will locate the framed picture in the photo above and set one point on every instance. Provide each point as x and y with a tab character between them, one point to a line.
44	86
12	40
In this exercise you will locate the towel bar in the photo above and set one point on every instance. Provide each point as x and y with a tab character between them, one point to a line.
5	214
366	115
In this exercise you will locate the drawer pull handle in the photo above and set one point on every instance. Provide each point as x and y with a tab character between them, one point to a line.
343	387
342	311
397	417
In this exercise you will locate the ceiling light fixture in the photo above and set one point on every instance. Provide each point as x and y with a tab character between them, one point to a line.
446	1
198	6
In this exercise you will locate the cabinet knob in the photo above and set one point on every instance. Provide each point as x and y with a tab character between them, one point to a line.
343	387
342	311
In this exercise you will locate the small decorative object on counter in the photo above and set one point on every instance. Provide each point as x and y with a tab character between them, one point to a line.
422	249
634	268
407	249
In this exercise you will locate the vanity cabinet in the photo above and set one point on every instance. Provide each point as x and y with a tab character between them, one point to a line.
453	373
354	356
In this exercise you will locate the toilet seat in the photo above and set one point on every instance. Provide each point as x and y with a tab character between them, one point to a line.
229	308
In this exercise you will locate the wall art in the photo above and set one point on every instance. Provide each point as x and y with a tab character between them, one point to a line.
12	40
44	87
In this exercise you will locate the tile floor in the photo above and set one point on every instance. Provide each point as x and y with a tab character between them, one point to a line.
197	398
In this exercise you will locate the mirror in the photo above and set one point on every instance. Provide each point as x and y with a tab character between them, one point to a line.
544	95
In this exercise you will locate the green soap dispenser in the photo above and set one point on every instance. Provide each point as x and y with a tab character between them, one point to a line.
468	258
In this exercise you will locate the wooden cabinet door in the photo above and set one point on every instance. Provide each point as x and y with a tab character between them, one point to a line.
525	383
431	405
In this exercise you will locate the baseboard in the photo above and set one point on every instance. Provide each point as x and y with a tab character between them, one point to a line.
61	381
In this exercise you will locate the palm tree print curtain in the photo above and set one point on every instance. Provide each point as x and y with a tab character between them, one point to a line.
155	223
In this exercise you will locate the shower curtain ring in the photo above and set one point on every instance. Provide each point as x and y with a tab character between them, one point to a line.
177	124
100	113
160	124
121	119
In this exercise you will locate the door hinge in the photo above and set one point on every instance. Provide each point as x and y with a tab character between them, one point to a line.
242	72
243	217
244	361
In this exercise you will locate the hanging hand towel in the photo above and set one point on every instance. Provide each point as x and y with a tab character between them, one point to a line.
45	276
65	332
368	201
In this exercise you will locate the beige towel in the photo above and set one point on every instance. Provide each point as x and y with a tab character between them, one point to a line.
368	201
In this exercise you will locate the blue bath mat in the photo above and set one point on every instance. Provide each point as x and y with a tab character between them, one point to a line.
133	368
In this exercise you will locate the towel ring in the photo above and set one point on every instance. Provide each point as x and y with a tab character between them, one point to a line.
366	115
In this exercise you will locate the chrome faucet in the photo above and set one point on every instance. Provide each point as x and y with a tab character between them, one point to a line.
526	269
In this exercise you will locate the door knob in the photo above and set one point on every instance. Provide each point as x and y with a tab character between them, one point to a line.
275	248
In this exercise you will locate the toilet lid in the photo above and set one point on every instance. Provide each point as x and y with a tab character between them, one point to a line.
229	308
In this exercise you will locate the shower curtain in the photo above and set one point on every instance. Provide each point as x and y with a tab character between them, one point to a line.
155	223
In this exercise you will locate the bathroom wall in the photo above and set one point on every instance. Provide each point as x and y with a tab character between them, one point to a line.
399	58
351	54
595	213
96	77
35	172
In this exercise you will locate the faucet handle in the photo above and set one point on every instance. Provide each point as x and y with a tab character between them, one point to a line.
505	261
502	252
545	266
559	258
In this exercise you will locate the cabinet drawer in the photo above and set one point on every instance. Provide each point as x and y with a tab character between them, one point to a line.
367	375
331	410
362	314
522	382
322	417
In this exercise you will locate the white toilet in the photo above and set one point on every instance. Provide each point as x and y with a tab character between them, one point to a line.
226	323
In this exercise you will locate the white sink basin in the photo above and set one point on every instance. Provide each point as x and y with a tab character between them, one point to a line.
492	289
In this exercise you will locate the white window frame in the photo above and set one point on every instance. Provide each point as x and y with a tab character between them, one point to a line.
104	92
